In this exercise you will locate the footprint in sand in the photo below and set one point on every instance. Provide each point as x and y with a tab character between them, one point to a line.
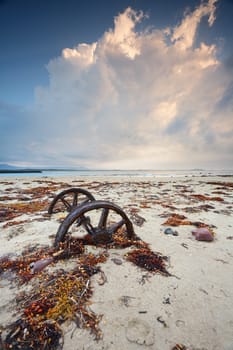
180	323
139	332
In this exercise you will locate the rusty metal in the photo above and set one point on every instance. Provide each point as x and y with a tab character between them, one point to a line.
69	199
96	219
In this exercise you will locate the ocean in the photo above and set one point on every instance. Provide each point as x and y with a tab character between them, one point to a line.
123	173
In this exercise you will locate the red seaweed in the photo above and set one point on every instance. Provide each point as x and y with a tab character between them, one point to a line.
148	260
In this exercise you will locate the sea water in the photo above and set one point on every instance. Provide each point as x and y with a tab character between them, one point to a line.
124	173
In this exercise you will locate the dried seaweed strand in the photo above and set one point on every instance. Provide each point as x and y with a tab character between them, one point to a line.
62	296
148	260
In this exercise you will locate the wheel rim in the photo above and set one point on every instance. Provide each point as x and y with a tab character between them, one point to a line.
69	199
99	219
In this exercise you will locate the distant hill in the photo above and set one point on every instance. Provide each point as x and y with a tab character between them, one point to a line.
8	167
4	167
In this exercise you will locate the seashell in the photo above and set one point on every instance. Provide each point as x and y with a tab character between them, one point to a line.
103	279
39	265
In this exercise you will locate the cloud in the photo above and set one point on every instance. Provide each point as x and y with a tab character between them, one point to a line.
184	34
149	99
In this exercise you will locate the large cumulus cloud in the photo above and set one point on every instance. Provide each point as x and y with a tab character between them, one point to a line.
150	98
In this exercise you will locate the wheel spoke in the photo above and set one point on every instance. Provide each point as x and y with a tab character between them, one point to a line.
75	200
66	204
114	227
69	199
107	225
86	223
84	202
103	218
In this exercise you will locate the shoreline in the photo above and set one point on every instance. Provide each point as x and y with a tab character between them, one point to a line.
139	310
108	174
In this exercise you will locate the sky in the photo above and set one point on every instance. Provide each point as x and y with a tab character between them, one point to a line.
121	84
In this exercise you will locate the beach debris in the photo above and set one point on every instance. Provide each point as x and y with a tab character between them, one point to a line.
68	200
176	220
82	216
222	261
69	248
103	278
223	185
148	260
203	291
175	233
33	335
140	332
170	231
39	265
120	240
202	207
11	210
179	219
203	234
62	295
160	320
14	223
137	219
185	245
144	278
7	214
179	347
65	295
117	261
21	265
35	198
202	197
145	204
126	299
166	300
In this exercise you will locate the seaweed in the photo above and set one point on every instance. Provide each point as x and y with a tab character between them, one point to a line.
21	265
220	183
148	260
202	197
65	295
7	214
12	210
61	296
33	335
176	220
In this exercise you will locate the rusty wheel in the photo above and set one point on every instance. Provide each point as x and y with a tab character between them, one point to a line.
69	199
100	219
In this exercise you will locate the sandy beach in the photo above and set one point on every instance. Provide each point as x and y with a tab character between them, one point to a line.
190	308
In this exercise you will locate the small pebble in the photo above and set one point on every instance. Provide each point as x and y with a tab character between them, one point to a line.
170	231
117	261
203	234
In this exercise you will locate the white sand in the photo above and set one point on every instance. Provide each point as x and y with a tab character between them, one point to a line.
142	311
